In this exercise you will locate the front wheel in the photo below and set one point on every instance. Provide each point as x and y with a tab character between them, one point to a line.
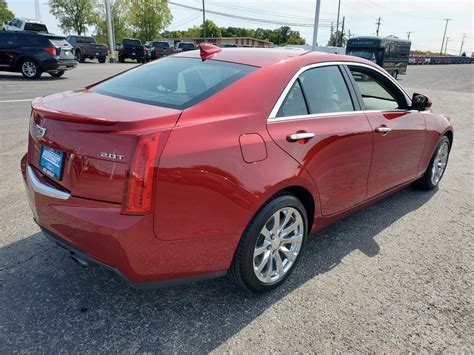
437	166
30	69
57	74
271	245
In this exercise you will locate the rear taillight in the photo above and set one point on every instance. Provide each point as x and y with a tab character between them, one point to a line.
50	50
139	196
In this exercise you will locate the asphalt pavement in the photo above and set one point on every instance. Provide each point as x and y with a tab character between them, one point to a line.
397	276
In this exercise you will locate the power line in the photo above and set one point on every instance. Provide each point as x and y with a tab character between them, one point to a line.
251	19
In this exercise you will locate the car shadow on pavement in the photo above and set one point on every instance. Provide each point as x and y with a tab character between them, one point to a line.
49	303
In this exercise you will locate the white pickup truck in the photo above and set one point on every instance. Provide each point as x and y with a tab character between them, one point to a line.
24	24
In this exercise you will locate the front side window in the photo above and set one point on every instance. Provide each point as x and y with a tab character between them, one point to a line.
173	82
375	94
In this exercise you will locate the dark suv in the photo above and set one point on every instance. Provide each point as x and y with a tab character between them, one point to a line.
32	53
132	49
87	47
159	49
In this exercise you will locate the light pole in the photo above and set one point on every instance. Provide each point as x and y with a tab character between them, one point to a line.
446	46
204	20
444	35
110	32
316	24
337	22
462	43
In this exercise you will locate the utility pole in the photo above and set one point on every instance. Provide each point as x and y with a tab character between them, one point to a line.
337	22
342	30
408	34
110	32
462	43
349	34
37	11
378	25
446	46
316	24
204	20
444	35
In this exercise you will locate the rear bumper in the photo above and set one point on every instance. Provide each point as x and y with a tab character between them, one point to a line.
99	234
60	65
84	259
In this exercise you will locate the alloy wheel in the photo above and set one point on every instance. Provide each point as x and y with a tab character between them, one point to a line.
278	245
439	163
29	69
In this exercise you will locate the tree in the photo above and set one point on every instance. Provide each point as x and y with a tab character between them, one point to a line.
212	30
149	17
5	14
120	20
341	39
73	15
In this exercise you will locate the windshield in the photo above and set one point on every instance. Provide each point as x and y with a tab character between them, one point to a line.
37	27
173	82
186	45
363	53
131	42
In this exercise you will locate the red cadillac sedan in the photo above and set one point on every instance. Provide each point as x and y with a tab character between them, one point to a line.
223	161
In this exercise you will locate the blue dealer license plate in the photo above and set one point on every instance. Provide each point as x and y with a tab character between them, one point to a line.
51	162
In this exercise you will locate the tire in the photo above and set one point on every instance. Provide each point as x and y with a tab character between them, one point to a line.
395	74
58	74
30	69
102	60
79	57
121	60
143	61
437	166
255	266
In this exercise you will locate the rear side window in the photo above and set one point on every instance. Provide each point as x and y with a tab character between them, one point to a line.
173	82
325	90
37	41
294	104
37	27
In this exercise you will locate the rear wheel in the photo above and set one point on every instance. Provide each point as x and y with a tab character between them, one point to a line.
30	69
271	245
102	60
79	57
121	60
435	171
57	74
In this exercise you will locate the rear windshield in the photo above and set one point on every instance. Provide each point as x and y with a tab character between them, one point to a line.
131	42
161	44
173	82
187	46
59	42
38	27
85	40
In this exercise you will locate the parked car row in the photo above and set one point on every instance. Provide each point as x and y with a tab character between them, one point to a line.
452	59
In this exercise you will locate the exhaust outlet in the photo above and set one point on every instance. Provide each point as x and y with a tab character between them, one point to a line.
82	263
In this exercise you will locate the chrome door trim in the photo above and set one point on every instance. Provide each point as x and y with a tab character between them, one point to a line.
273	114
44	189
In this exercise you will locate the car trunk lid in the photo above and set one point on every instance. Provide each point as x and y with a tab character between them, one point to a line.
96	137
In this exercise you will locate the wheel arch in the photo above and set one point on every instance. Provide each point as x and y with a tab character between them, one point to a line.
21	58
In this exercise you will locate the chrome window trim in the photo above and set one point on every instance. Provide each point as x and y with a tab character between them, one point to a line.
273	114
44	189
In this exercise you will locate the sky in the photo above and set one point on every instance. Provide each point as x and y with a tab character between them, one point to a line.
424	18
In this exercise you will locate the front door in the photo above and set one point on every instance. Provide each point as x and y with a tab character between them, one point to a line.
318	125
398	132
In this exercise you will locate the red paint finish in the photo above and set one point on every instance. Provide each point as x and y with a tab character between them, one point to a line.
214	165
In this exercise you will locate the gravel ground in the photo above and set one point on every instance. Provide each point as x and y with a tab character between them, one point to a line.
396	276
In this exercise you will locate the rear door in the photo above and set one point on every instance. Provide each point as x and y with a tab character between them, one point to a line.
317	122
9	49
399	133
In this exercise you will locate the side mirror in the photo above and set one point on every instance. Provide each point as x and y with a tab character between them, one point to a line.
420	102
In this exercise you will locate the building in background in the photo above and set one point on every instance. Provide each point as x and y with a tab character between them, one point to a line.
223	41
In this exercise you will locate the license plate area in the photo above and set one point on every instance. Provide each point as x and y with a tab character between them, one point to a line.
51	162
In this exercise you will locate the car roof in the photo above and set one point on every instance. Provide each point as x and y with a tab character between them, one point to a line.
262	57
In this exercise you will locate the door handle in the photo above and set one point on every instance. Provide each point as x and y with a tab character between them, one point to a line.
299	136
383	130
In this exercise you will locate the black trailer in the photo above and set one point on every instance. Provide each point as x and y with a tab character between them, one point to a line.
391	53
